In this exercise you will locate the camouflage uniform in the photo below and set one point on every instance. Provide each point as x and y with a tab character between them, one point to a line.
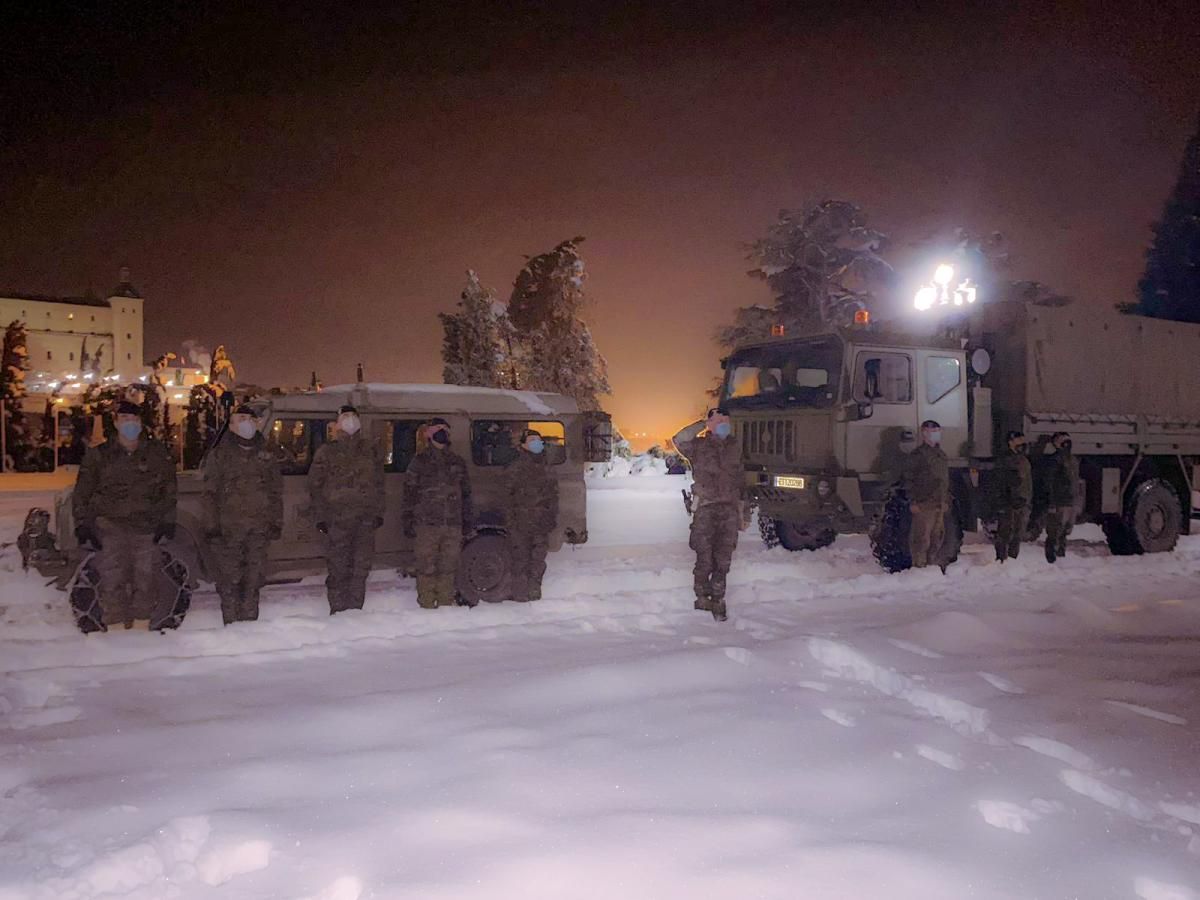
1062	478
243	513
1014	493
531	513
437	512
717	495
346	485
927	480
125	497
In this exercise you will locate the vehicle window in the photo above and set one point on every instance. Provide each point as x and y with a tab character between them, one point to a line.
295	441
397	439
801	374
883	378
942	375
494	441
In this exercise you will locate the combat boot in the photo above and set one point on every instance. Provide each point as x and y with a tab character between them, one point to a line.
718	611
703	602
1050	554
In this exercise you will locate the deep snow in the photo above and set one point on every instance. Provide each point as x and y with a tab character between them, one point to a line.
1003	732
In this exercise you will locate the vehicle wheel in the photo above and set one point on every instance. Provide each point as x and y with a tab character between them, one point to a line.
1120	541
766	530
803	537
889	537
1154	517
483	569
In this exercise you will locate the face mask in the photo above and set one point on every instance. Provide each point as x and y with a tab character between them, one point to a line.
440	438
1065	446
723	430
349	424
933	438
130	430
535	445
244	430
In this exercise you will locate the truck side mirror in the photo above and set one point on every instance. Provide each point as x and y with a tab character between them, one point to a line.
866	409
854	410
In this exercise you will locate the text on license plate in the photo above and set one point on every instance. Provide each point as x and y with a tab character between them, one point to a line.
789	481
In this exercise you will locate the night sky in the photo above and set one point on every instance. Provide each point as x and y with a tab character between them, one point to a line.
310	186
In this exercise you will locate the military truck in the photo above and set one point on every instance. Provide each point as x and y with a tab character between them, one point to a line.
825	421
485	425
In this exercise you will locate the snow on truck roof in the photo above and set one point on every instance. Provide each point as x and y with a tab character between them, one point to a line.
428	398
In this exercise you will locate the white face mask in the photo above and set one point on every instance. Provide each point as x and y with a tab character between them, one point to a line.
245	430
933	437
349	424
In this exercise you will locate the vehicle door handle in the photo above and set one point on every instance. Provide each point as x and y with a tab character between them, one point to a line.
907	435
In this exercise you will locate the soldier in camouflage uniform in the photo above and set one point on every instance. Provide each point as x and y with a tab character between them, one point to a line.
1062	479
927	479
1014	493
437	514
717	494
243	513
123	505
531	513
346	485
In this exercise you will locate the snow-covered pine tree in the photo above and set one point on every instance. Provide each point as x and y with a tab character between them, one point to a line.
200	424
222	371
471	349
1170	287
823	265
554	349
14	363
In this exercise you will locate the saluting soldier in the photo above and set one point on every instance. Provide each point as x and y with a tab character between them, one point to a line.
346	486
243	512
1014	494
124	504
531	515
437	514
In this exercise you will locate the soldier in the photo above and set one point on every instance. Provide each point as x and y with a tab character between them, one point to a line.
1062	478
243	513
346	485
124	504
531	515
927	479
1014	493
437	514
716	499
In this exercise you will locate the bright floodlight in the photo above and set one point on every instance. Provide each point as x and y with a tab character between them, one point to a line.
925	298
943	274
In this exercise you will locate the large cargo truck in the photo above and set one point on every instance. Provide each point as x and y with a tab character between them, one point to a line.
825	421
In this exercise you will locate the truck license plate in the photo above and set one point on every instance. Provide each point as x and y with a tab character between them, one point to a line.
789	481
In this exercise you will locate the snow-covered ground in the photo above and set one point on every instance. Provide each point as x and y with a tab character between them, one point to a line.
1004	732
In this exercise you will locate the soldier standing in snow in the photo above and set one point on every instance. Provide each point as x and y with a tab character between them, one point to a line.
346	485
1062	478
124	504
717	494
531	514
1014	493
927	479
243	513
437	514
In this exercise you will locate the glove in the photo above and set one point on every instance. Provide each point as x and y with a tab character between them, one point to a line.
165	531
86	535
323	528
379	521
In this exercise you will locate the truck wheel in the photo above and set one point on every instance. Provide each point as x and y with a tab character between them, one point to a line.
483	569
1120	540
803	537
766	530
1154	517
889	537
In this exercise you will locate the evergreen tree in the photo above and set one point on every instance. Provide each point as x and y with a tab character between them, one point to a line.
471	345
823	265
553	349
200	424
1170	287
14	363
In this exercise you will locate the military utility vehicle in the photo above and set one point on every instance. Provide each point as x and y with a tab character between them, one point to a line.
825	421
485	426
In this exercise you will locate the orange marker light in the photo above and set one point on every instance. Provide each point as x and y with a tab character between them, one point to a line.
862	317
777	331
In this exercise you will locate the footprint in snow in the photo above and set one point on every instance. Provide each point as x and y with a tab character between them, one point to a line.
1148	712
841	718
1001	684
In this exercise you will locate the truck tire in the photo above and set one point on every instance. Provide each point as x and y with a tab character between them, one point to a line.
889	537
766	530
484	569
1154	517
1120	540
803	537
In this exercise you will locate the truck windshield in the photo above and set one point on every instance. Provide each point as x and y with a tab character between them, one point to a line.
801	374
